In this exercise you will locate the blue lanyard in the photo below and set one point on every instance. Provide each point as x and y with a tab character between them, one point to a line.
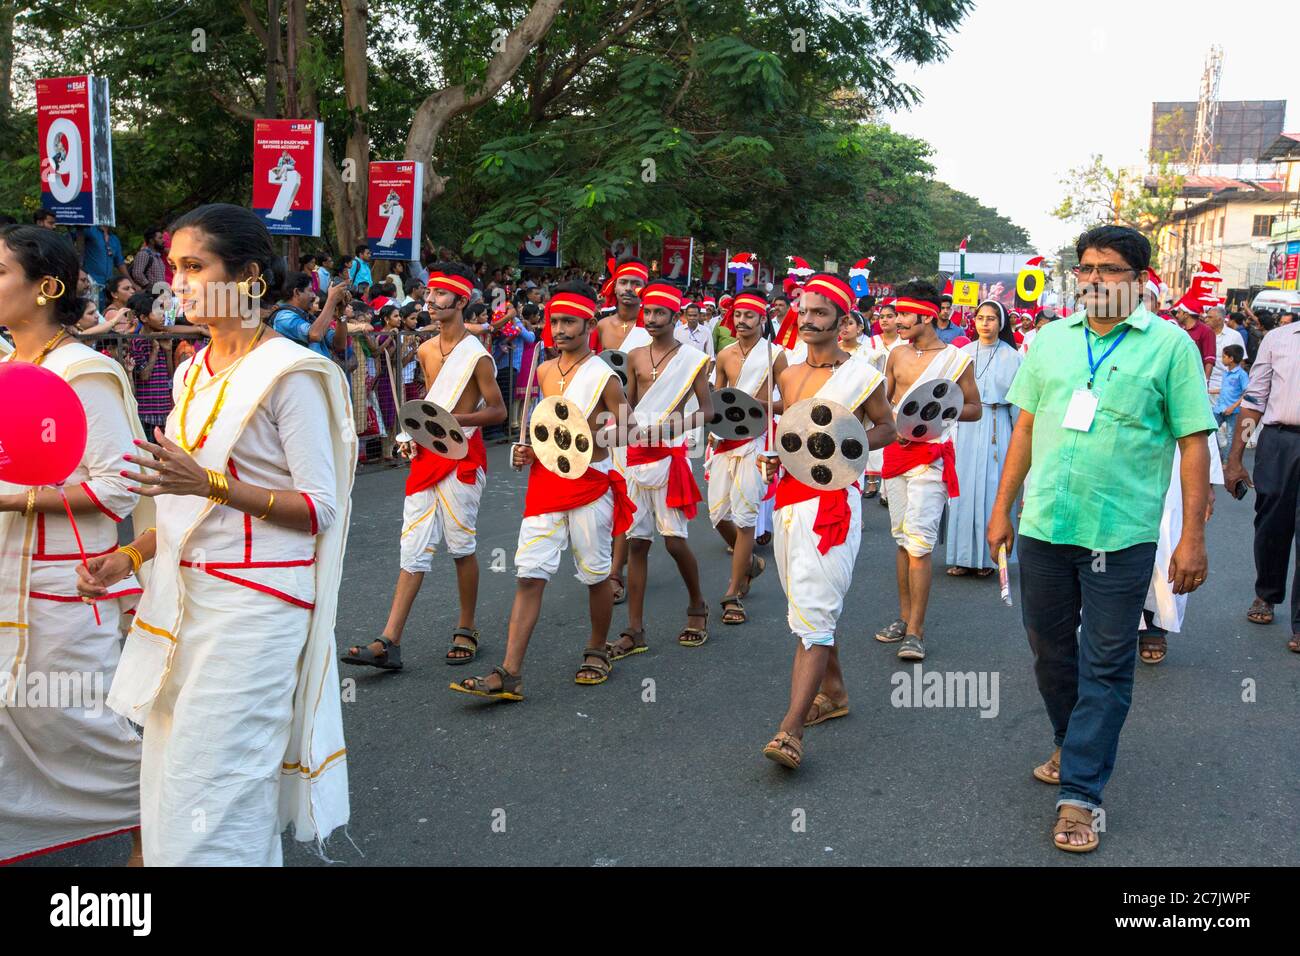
1093	366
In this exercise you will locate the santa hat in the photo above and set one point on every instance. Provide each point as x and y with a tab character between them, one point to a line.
862	268
708	302
799	267
1156	285
1207	272
790	285
1035	263
961	246
947	287
741	262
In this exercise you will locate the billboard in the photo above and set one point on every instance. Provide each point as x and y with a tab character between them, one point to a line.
75	145
676	262
287	177
393	209
1243	129
714	270
541	249
1276	266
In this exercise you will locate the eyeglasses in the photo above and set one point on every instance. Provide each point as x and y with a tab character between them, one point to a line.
1105	271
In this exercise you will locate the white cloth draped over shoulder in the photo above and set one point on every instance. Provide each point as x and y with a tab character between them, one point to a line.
69	770
210	635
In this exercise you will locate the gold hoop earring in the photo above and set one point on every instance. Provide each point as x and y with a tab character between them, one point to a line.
246	287
44	295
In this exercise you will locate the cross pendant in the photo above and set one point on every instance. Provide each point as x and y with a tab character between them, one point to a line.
654	374
561	384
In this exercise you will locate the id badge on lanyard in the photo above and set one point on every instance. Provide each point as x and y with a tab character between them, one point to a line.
1081	411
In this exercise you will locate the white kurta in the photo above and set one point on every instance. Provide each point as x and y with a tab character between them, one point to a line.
231	658
69	769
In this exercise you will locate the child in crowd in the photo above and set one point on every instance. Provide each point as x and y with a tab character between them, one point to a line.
1227	403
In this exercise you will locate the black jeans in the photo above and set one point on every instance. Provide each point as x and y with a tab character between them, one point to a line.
1277	491
1085	676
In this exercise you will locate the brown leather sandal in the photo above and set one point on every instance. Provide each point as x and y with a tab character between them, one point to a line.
733	612
785	749
1044	771
1156	645
695	636
824	709
1260	612
1071	819
639	645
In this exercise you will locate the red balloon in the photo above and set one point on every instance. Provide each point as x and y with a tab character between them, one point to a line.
42	425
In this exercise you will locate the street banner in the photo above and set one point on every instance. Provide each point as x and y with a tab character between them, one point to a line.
1276	266
541	249
1292	265
75	144
714	271
394	201
676	261
287	155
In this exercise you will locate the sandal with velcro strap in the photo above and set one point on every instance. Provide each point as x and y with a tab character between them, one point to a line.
389	659
509	690
604	668
466	632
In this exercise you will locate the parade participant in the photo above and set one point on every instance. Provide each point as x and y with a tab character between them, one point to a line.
623	330
735	485
921	476
668	389
852	332
584	513
442	494
1098	424
230	662
69	771
818	533
981	447
878	346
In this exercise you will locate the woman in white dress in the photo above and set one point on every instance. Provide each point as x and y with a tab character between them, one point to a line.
229	663
69	769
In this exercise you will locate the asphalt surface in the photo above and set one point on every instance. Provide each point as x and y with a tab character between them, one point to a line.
670	773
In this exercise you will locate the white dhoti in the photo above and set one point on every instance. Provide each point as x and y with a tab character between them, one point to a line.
215	740
647	486
736	486
815	584
916	502
446	513
587	531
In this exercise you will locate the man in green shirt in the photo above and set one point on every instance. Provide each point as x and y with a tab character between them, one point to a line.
1104	398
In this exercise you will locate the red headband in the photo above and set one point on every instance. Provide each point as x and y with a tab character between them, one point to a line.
457	284
833	288
750	301
915	307
566	303
661	293
635	269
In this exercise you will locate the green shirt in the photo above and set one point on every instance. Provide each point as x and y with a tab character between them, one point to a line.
1104	489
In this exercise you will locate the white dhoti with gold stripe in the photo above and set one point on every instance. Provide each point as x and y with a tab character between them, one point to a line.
916	502
446	514
736	486
587	531
814	583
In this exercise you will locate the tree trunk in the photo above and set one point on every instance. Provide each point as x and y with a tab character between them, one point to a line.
272	105
444	105
348	199
8	10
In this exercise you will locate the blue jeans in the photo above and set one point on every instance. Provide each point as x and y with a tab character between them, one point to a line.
1220	418
1084	676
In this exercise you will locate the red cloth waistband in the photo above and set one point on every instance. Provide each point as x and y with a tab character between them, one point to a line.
903	458
683	492
549	493
833	515
429	468
731	444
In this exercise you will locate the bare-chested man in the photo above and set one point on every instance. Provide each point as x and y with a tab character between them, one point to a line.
583	513
818	533
442	495
920	477
663	379
736	487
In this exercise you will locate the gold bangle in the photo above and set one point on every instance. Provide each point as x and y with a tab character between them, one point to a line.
218	487
269	505
31	502
136	558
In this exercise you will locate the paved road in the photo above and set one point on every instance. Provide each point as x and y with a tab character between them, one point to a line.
600	776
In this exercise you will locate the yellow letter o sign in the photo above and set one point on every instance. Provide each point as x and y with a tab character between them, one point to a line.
1030	284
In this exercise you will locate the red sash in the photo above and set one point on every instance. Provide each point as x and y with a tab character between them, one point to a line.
683	492
833	515
731	444
902	458
548	493
429	468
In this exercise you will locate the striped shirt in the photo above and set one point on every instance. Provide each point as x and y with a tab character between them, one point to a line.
1274	385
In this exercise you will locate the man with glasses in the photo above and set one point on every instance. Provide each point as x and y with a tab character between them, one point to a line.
1104	397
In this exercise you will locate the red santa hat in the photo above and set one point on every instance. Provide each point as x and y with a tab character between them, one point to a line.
1156	285
862	268
742	262
961	246
1035	263
790	285
1207	272
799	267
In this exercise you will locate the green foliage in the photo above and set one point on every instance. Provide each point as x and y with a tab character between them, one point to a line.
958	215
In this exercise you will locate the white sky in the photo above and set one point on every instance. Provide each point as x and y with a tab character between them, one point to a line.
1002	110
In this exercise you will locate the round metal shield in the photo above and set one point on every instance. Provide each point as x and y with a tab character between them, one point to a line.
433	427
736	415
561	437
929	410
822	444
618	362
